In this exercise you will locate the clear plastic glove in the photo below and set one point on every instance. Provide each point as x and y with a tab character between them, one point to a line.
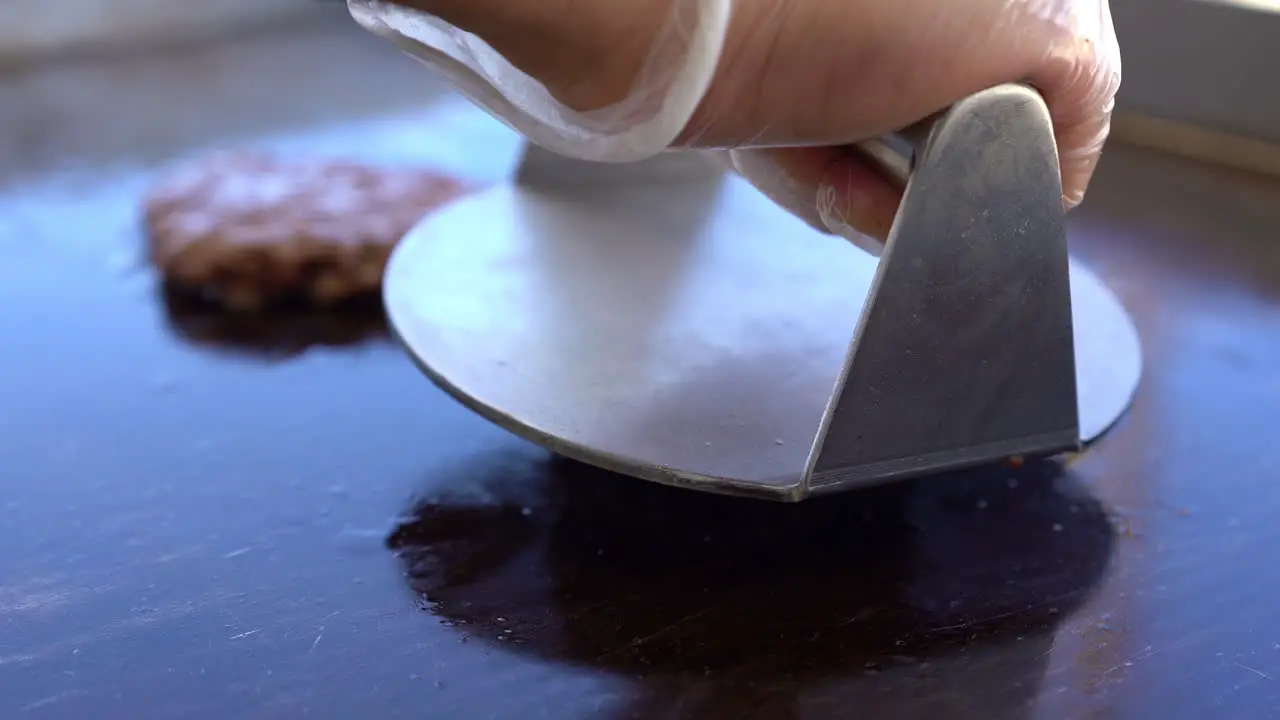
785	86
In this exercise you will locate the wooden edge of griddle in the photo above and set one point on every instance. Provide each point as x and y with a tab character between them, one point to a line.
1195	142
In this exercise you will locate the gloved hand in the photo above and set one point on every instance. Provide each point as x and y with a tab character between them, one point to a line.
784	85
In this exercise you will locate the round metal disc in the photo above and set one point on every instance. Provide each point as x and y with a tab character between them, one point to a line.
674	332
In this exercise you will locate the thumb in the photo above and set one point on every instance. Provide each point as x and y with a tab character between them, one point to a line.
833	189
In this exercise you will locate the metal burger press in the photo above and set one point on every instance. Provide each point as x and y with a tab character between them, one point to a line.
666	321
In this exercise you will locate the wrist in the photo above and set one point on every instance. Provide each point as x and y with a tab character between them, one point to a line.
586	54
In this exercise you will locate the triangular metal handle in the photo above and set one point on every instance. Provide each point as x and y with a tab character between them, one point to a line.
964	353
